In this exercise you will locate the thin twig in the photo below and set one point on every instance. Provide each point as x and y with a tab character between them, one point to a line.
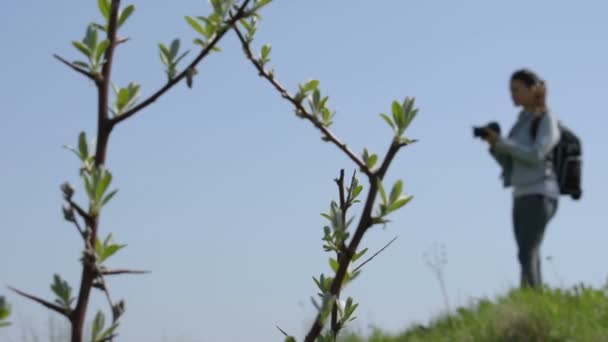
85	215
232	22
375	254
335	326
118	272
79	228
76	68
285	94
281	330
42	302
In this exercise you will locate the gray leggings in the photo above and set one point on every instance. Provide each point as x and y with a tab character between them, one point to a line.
531	213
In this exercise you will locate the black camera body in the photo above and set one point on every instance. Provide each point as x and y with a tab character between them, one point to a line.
481	131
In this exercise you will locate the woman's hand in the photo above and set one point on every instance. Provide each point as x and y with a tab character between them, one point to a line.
491	137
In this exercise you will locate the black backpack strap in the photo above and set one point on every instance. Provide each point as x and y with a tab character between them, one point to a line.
535	124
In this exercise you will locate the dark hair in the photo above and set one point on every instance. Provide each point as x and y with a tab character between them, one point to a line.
526	76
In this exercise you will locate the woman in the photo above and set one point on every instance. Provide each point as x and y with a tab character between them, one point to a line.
524	156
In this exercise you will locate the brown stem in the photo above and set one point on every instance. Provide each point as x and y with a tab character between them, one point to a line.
335	327
327	134
231	22
364	223
390	154
103	134
43	302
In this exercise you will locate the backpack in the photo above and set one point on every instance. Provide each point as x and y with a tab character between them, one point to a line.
567	160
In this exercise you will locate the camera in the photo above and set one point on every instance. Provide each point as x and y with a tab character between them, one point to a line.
480	131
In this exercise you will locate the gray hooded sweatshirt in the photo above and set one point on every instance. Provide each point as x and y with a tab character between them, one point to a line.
524	159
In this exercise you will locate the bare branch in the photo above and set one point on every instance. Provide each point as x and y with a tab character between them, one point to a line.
76	68
282	331
49	305
79	228
327	134
375	254
119	272
241	13
88	219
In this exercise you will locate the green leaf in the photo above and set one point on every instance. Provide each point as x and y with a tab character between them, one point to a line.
174	49
104	8
102	28
327	216
88	185
82	48
123	98
90	40
108	197
318	283
102	186
98	324
133	94
261	3
63	292
316	99
266	52
398	114
5	309
310	86
110	250
99	247
396	191
200	42
164	55
408	104
410	117
333	263
125	14
106	334
82	146
382	192
196	25
357	191
181	57
248	26
290	339
107	249
399	203
357	256
164	51
101	49
388	120
327	115
218	7
372	160
82	64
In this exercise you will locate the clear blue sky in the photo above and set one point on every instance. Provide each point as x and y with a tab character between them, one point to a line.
221	186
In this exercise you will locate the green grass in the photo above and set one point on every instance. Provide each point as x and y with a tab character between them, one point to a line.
557	315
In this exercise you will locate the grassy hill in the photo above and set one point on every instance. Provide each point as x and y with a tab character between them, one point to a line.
576	314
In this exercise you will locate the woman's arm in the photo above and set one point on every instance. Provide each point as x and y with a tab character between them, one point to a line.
546	138
502	159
